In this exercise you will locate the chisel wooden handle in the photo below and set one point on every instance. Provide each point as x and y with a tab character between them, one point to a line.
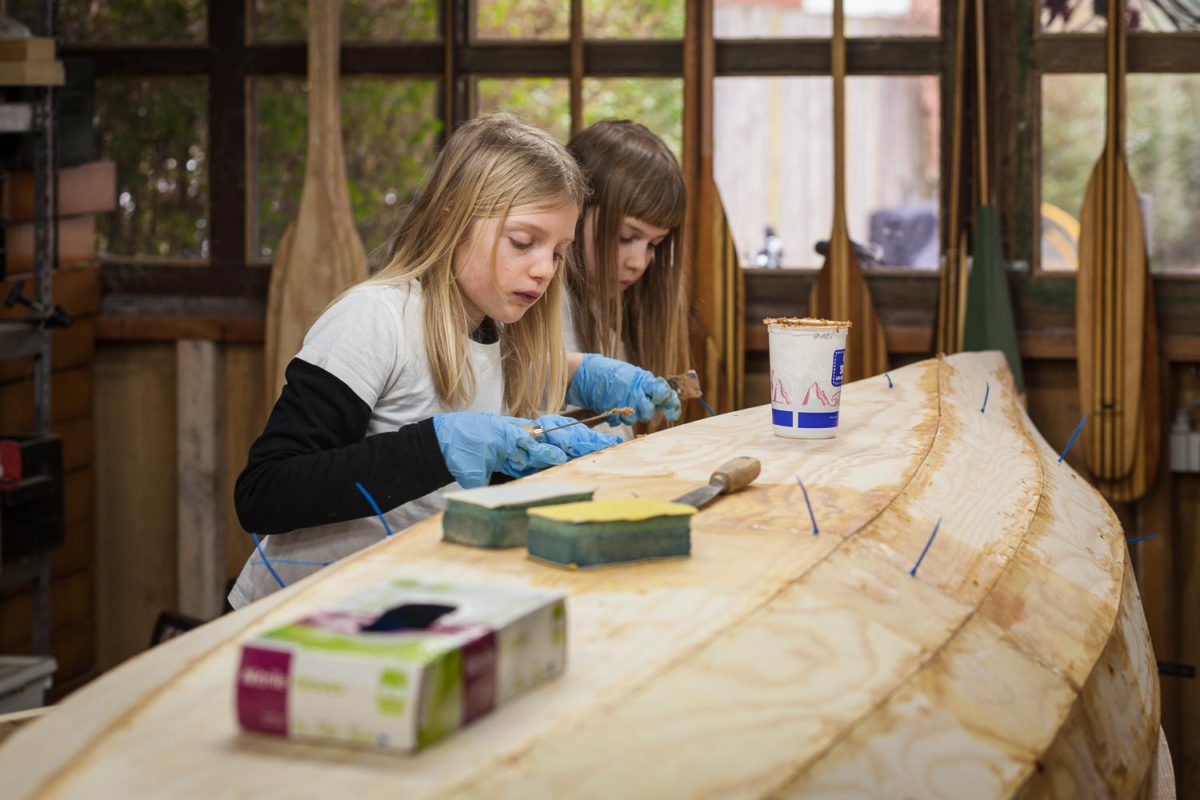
737	473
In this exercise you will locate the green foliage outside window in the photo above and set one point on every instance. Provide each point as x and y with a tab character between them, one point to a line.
389	130
362	20
156	131
1162	145
121	21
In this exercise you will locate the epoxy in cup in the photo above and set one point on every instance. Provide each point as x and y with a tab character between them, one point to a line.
808	358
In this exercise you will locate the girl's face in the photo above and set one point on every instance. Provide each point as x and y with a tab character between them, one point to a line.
635	247
529	250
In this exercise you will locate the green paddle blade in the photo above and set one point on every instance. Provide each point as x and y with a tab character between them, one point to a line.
989	322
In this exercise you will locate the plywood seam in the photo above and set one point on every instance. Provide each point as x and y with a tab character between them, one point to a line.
1074	704
786	584
938	651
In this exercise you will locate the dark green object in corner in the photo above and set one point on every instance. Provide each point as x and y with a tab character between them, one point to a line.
989	323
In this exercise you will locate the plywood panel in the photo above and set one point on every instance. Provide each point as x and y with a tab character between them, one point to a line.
769	662
135	500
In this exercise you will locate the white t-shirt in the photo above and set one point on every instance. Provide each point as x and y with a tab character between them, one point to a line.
373	340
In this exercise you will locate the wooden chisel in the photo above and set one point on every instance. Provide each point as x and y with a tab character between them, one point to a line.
726	479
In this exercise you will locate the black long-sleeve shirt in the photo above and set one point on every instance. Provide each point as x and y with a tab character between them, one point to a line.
302	469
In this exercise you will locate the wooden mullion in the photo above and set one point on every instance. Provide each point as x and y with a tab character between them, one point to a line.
1012	86
227	133
874	56
418	59
165	60
577	61
1084	52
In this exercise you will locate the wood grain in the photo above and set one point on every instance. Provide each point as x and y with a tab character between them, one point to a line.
320	253
1111	290
840	292
200	555
1015	662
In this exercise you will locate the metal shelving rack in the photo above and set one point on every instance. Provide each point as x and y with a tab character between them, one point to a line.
23	338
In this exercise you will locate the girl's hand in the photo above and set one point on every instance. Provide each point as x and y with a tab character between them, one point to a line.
476	445
576	440
602	383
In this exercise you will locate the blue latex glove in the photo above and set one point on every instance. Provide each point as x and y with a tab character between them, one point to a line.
476	445
577	440
602	383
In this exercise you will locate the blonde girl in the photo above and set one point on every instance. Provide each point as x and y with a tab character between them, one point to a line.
626	296
406	383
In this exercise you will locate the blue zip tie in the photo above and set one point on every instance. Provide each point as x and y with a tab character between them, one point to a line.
889	379
938	524
1140	539
266	562
707	407
987	389
811	515
1078	428
298	563
387	528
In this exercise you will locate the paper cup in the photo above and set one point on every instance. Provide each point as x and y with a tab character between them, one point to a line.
807	360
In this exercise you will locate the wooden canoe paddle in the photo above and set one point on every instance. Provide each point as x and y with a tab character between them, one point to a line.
1111	288
840	292
988	322
320	253
952	281
1148	445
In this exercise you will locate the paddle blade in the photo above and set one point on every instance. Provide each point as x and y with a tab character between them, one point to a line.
841	292
1111	321
989	323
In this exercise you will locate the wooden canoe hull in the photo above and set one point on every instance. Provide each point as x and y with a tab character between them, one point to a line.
772	661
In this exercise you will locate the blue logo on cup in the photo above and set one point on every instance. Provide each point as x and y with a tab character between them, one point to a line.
839	358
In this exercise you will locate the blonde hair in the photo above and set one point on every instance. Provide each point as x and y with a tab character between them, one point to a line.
492	166
631	172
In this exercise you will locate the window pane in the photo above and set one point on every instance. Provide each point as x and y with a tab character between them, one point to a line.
633	19
1161	16
657	103
157	132
1161	146
544	102
362	20
128	22
389	134
522	19
773	156
769	19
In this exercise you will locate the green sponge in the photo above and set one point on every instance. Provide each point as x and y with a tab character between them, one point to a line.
495	516
610	531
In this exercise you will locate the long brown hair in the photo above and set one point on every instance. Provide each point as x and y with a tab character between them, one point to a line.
630	172
492	166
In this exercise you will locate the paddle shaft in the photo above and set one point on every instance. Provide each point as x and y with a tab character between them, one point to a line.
840	291
952	283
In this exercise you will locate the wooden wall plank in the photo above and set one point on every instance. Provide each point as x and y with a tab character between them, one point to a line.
73	346
201	564
72	604
136	500
76	289
244	419
70	398
78	549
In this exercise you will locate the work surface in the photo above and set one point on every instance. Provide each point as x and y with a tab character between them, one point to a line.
771	662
